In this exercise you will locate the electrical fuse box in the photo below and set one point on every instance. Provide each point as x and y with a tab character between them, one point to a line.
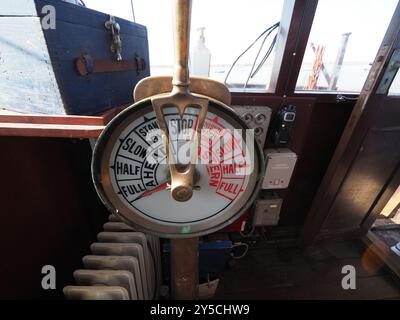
279	168
267	210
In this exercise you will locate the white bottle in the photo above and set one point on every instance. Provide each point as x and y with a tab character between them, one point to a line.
200	57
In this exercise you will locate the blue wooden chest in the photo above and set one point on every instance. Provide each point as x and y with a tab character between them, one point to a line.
83	63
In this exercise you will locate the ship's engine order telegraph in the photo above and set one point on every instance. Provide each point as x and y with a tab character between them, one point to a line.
178	163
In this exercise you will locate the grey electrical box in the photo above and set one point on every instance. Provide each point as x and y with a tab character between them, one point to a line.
267	211
280	166
257	118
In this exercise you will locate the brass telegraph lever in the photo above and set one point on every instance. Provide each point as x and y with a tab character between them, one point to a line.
182	174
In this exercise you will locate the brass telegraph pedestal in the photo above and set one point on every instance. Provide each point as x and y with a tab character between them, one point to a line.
180	200
185	268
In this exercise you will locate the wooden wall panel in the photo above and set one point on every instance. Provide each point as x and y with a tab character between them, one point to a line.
316	133
49	212
321	138
377	160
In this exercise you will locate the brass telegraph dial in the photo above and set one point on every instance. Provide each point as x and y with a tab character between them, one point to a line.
178	164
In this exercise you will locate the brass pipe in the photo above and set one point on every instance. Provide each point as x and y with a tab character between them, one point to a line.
185	269
182	13
184	252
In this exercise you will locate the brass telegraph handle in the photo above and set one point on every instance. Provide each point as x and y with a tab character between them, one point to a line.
180	97
182	14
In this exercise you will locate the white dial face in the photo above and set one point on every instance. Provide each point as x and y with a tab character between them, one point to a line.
139	173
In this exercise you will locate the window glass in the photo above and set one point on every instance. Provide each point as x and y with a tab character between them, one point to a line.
353	29
230	27
394	89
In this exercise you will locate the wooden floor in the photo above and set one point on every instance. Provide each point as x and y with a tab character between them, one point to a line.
276	272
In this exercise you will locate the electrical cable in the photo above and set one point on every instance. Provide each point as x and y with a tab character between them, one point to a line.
245	235
255	60
248	48
266	56
252	74
245	251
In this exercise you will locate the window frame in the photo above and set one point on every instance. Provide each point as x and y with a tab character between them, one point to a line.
295	28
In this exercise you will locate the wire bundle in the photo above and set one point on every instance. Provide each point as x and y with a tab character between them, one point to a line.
254	70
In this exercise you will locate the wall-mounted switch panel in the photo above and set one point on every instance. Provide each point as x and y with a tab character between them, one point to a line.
267	210
280	165
257	118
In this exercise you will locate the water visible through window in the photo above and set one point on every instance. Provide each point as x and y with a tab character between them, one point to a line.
344	40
